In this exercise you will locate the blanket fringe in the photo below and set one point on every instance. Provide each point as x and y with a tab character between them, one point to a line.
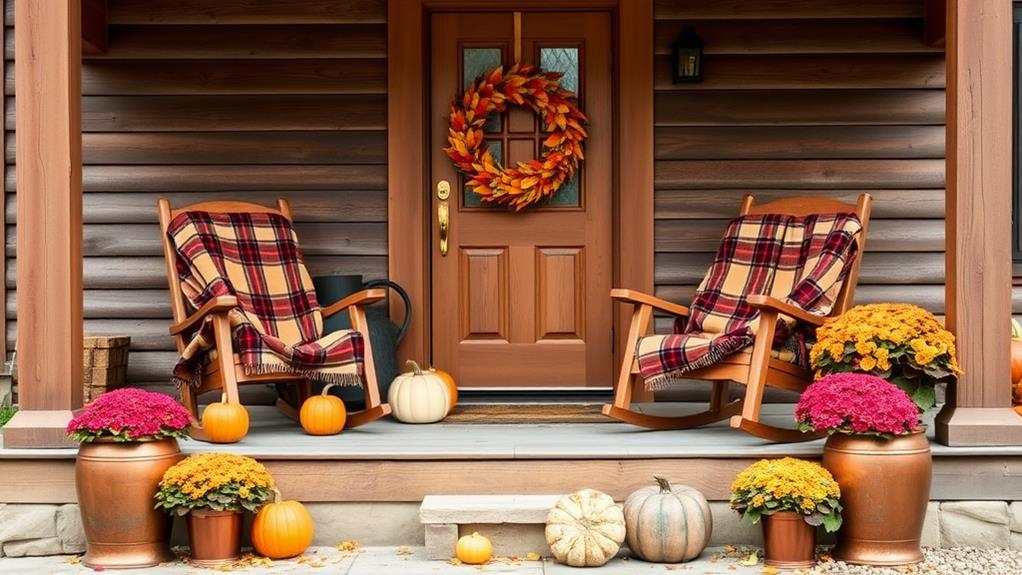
348	379
194	378
713	356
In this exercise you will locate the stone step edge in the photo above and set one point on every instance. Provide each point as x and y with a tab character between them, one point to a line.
490	509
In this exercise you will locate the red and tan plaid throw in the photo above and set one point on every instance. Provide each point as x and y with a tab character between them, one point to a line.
799	260
277	326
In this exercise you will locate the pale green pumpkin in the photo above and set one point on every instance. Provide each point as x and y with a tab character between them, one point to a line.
666	524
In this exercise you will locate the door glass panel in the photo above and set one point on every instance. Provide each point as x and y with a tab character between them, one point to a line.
564	60
471	199
475	63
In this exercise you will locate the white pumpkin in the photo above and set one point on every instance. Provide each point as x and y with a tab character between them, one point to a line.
585	529
419	396
667	524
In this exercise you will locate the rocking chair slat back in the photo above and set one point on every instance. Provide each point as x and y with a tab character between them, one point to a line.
179	305
808	205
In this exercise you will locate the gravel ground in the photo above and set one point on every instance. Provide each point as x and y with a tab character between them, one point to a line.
950	561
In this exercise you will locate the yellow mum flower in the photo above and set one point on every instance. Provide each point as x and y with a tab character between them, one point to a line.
867	363
865	347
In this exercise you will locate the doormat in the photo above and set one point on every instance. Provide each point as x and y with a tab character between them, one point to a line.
525	413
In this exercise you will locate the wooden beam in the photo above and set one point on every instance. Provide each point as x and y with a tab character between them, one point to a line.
978	204
935	22
987	477
49	234
407	200
94	28
633	247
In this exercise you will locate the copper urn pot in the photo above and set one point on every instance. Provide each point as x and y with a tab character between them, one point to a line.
788	541
885	487
214	536
116	483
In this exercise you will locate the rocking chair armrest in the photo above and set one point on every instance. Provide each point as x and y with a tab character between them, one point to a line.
765	302
216	305
364	297
639	298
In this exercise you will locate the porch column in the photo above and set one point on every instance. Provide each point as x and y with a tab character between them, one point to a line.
49	244
978	205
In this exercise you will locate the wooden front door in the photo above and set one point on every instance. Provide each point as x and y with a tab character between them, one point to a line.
522	299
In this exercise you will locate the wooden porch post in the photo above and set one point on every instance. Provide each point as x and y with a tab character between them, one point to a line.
978	261
49	246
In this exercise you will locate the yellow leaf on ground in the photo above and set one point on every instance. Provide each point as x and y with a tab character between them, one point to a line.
347	545
770	570
531	556
750	560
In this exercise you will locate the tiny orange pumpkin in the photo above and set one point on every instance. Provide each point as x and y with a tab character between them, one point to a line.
452	388
323	414
282	529
474	549
225	422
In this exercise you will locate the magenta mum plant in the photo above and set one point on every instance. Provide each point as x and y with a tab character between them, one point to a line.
130	414
856	404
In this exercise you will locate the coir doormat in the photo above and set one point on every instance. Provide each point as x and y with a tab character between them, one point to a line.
524	413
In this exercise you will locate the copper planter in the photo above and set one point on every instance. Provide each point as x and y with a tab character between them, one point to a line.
788	541
885	486
116	483
214	536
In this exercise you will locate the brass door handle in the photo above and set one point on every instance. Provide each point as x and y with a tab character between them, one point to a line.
443	217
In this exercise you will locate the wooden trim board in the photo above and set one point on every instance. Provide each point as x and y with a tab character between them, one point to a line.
408	184
49	234
954	478
978	222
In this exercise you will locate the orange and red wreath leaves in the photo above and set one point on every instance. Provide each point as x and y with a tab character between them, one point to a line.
529	182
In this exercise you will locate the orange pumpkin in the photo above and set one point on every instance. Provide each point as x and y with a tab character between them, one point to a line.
225	422
1016	362
323	414
282	529
452	388
474	549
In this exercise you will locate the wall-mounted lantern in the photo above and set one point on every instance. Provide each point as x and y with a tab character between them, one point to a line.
687	57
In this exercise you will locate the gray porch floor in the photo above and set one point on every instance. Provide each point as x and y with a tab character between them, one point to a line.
273	436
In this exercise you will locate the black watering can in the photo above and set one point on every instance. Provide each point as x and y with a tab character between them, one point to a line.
384	335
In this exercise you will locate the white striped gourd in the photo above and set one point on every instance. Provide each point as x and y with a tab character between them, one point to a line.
667	524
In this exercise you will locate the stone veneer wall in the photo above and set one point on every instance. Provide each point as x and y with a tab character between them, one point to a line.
41	529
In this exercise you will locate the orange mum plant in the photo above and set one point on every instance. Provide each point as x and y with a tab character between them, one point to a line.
528	182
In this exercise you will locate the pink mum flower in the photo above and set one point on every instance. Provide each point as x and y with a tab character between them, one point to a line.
130	414
857	403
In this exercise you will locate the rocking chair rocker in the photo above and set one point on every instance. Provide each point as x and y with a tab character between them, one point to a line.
754	366
226	371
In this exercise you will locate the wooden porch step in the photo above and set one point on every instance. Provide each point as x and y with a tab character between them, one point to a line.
514	523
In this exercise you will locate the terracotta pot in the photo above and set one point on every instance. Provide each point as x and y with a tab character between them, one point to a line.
885	486
214	536
788	541
116	483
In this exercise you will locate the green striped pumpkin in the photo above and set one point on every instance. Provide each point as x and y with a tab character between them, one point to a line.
665	524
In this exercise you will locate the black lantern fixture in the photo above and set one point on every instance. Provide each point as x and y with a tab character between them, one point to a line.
687	57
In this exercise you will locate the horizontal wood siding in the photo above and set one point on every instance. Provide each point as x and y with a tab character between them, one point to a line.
803	97
226	99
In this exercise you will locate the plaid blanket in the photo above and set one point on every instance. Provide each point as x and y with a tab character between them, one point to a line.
800	260
277	326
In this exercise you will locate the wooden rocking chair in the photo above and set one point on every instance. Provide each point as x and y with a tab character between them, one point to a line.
754	367
226	372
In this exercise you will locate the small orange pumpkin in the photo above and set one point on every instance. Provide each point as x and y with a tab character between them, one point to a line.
1016	361
282	529
225	422
452	388
474	549
323	414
